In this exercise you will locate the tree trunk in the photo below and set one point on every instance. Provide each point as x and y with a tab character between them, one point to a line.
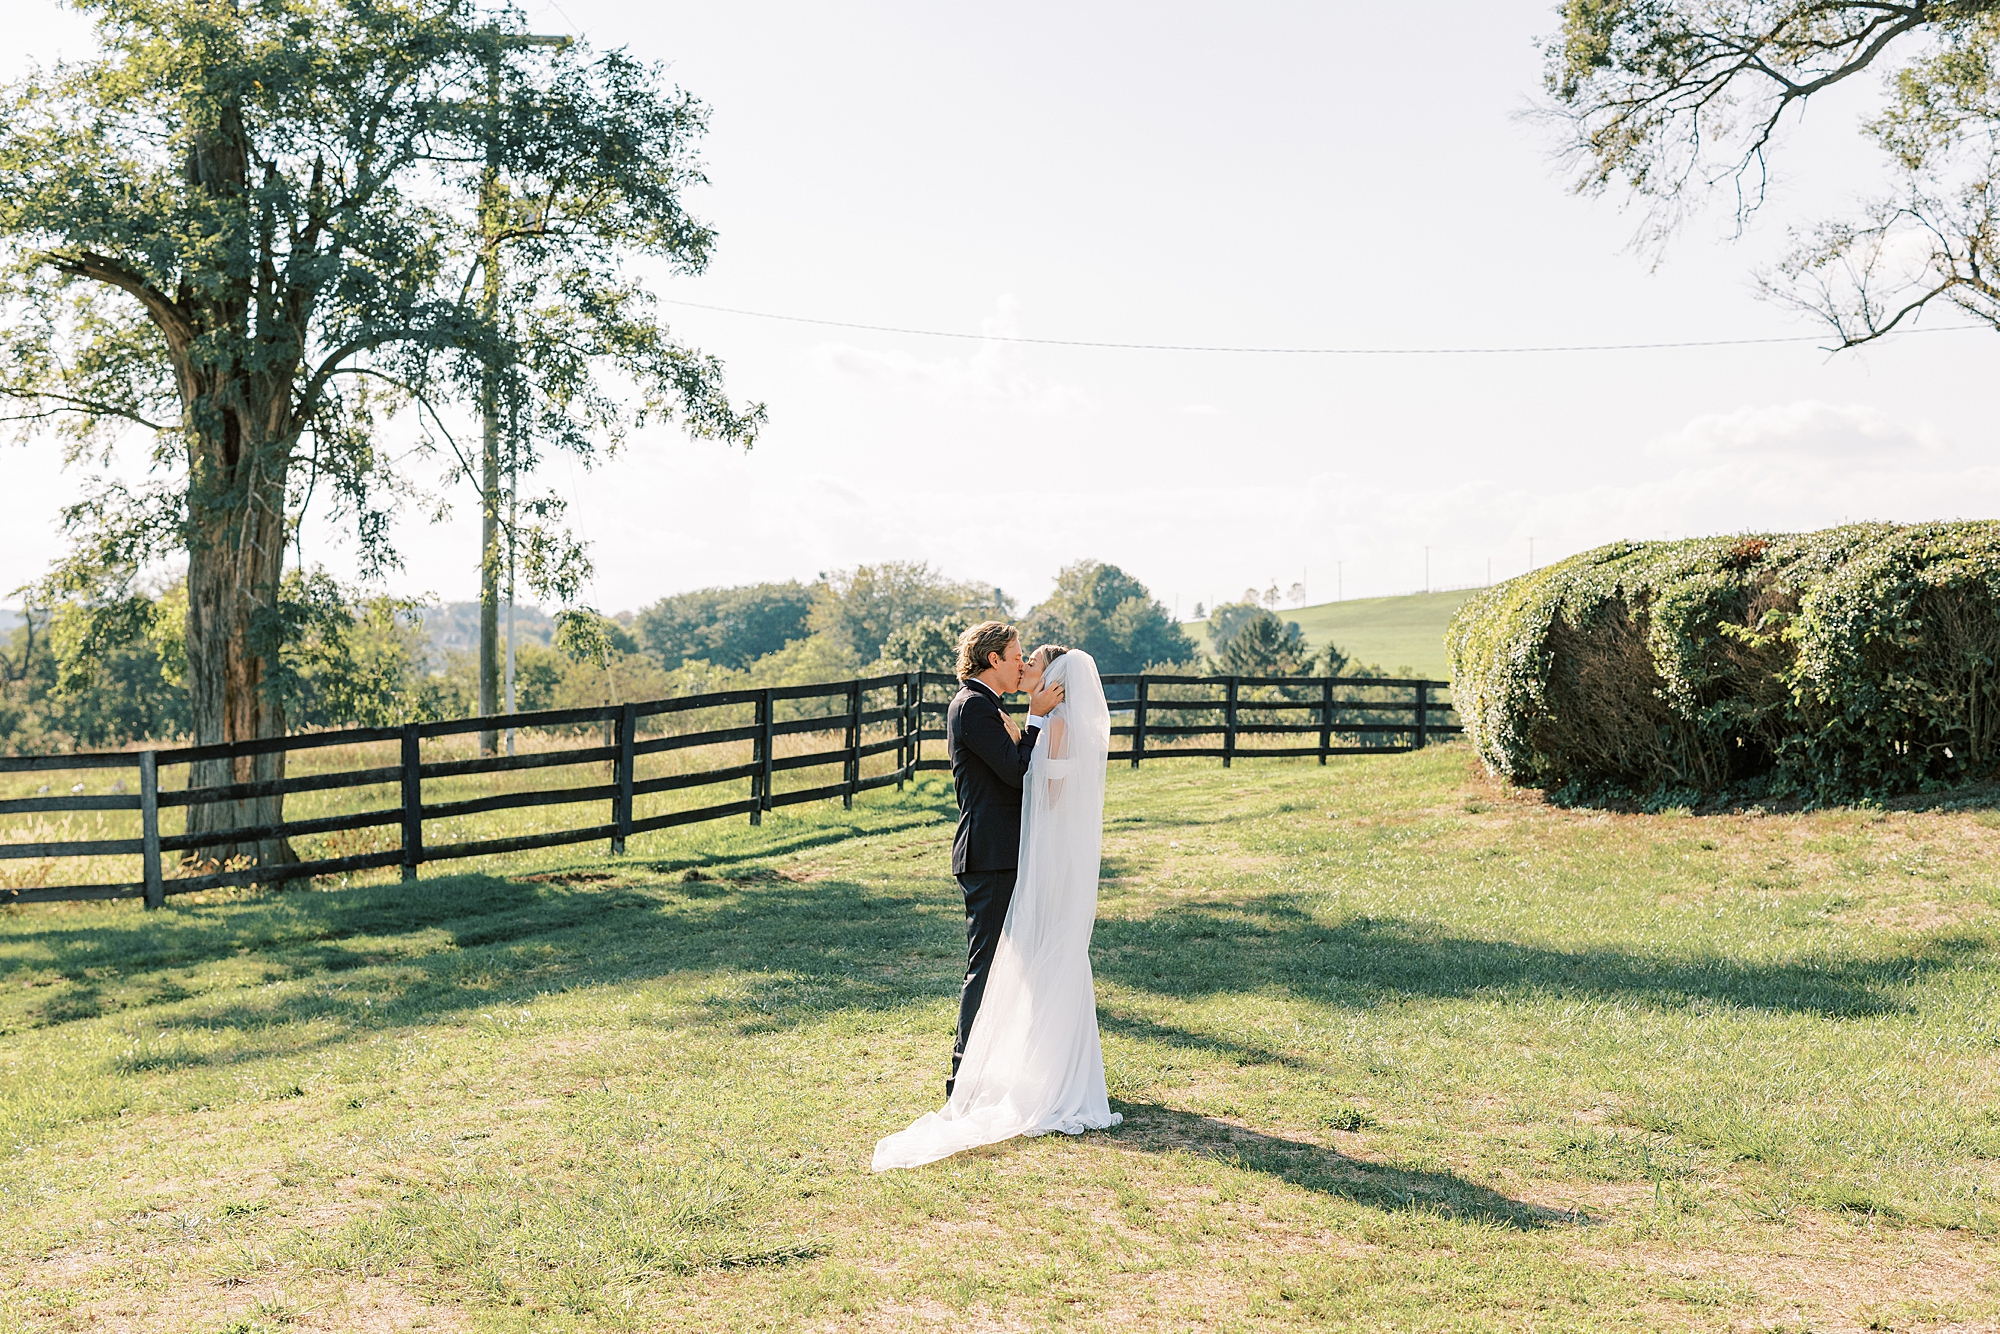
236	545
240	430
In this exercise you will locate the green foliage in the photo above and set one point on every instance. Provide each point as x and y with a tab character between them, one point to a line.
1263	645
1940	129
1673	99
1857	661
925	646
539	672
819	657
258	231
343	659
867	604
585	636
109	676
54	697
729	627
1331	661
1111	616
1229	618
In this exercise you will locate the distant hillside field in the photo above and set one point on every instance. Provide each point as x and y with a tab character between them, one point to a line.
1388	632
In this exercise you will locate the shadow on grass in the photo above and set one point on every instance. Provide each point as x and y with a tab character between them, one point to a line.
1152	1128
1366	961
1751	797
1149	1030
112	958
933	808
448	948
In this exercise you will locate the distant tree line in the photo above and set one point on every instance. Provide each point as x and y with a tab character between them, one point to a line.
355	660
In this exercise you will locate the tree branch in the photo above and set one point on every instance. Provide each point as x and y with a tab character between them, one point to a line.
173	322
72	403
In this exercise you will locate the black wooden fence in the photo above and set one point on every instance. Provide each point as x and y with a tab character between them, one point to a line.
886	719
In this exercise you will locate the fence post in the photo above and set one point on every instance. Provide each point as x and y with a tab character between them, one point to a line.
621	805
760	782
1325	717
413	802
902	727
149	826
853	745
1229	724
916	723
1139	724
1423	713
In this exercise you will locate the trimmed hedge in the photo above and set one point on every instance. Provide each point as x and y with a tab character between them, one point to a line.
1859	661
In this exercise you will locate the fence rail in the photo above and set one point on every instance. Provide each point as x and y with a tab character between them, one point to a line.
846	724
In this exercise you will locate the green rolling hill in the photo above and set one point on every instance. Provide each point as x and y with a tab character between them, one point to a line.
1394	632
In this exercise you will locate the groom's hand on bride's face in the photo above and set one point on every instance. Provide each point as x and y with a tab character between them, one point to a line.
1041	701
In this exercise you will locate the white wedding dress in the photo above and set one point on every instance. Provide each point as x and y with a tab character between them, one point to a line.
1032	1062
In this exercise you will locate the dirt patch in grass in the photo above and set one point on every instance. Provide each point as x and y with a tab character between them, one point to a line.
1840	1276
926	1314
1926	916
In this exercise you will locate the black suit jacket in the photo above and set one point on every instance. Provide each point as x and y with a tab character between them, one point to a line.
988	768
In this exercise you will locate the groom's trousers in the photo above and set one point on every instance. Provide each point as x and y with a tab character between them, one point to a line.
987	894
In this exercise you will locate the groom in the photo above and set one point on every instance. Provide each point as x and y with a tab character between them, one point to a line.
988	764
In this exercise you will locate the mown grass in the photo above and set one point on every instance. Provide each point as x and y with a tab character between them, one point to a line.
1396	1048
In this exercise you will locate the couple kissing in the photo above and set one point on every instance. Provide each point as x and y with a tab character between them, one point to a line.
1027	1059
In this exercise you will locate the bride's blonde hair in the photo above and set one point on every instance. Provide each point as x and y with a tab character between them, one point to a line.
1048	653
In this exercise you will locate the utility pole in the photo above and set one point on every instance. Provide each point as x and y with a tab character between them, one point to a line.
1531	553
492	224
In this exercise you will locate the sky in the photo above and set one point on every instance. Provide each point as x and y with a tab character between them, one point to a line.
1270	175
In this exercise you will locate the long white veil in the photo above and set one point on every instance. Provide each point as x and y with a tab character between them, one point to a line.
1033	1063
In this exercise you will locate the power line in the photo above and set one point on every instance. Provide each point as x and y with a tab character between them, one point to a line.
1280	351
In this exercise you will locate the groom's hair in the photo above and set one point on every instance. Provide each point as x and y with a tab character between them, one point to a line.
978	643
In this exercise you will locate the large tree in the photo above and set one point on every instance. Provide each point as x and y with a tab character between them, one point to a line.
863	606
1675	100
1111	616
252	229
728	627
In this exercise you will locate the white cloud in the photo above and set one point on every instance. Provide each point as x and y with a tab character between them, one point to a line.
1202	410
994	376
1808	429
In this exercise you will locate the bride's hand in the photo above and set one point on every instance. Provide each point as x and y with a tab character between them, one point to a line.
1013	728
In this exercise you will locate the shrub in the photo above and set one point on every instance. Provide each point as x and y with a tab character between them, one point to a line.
1858	661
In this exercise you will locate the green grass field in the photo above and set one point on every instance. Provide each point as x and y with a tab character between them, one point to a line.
1397	1048
1388	632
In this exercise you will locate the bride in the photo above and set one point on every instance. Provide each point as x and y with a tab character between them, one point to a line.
1032	1061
